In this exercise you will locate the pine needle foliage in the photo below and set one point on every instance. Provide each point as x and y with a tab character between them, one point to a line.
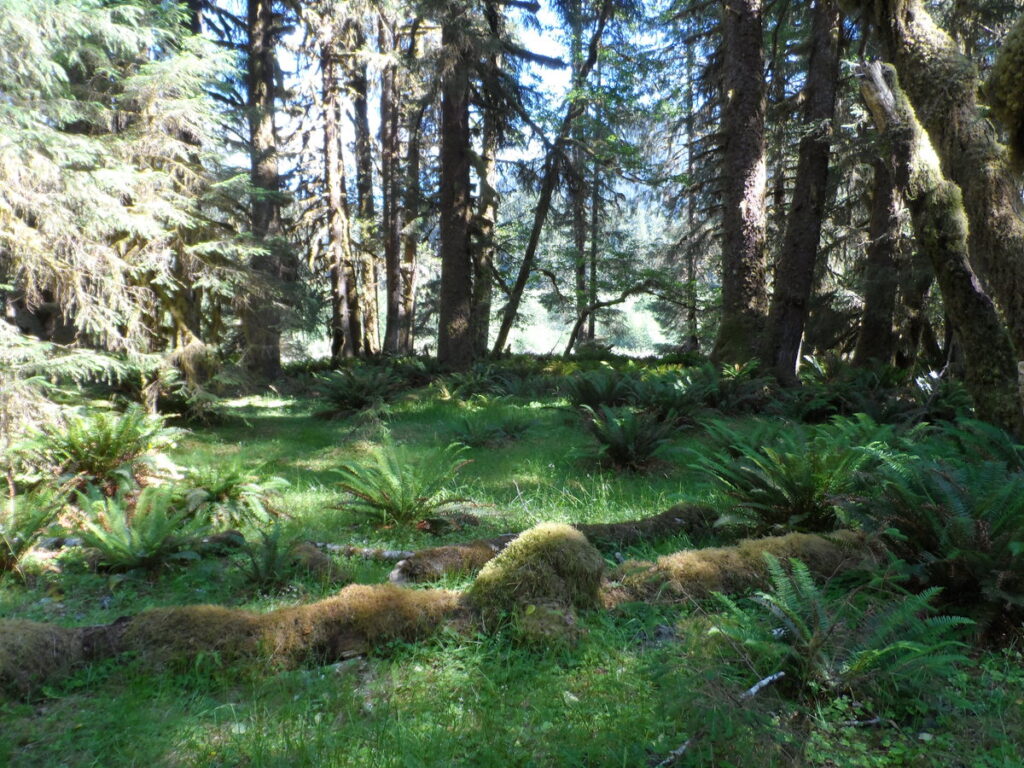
392	487
891	647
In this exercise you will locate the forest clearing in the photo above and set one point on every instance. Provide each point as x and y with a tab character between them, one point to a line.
512	383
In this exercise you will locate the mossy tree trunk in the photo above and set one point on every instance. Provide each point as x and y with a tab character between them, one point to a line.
942	84
940	226
744	293
876	342
795	270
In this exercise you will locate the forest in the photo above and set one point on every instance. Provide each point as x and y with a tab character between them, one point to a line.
512	383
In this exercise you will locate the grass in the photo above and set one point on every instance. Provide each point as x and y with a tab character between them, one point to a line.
619	696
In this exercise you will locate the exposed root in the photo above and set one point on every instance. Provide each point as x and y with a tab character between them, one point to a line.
696	573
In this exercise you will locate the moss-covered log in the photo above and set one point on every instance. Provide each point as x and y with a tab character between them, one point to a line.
431	564
350	623
941	229
696	573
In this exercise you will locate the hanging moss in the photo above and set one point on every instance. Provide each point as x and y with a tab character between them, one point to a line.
551	564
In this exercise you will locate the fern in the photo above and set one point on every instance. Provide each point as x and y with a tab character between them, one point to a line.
595	389
22	521
890	647
103	447
231	494
142	533
391	488
627	439
357	389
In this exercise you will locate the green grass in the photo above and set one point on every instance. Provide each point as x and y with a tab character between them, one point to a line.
624	696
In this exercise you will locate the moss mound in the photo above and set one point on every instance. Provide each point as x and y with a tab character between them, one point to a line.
551	564
433	563
31	652
696	573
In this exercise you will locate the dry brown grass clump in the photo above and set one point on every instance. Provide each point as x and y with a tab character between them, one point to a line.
550	564
696	573
31	652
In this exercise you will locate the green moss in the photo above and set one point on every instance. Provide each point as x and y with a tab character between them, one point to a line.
552	563
31	652
1004	90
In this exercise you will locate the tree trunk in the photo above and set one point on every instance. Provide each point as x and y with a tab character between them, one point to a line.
485	247
940	225
389	173
916	278
339	244
942	85
455	342
261	319
876	342
744	298
795	273
549	178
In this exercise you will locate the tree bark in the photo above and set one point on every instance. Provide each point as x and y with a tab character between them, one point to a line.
261	319
391	221
876	342
940	225
339	244
744	294
795	273
485	247
942	85
455	342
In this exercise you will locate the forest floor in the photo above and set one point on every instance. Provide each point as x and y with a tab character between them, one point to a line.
639	681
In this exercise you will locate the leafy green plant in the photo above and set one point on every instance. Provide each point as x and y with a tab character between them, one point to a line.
269	562
394	487
850	646
802	482
628	439
677	395
598	388
230	494
102	447
144	532
960	527
482	428
357	389
22	521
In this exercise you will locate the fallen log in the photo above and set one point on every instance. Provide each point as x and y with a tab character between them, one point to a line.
435	562
693	574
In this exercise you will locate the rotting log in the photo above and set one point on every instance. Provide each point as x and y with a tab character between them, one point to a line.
551	568
694	574
435	562
348	624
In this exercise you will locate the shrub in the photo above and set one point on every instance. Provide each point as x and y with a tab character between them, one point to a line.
889	648
357	389
106	448
144	532
627	439
393	488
